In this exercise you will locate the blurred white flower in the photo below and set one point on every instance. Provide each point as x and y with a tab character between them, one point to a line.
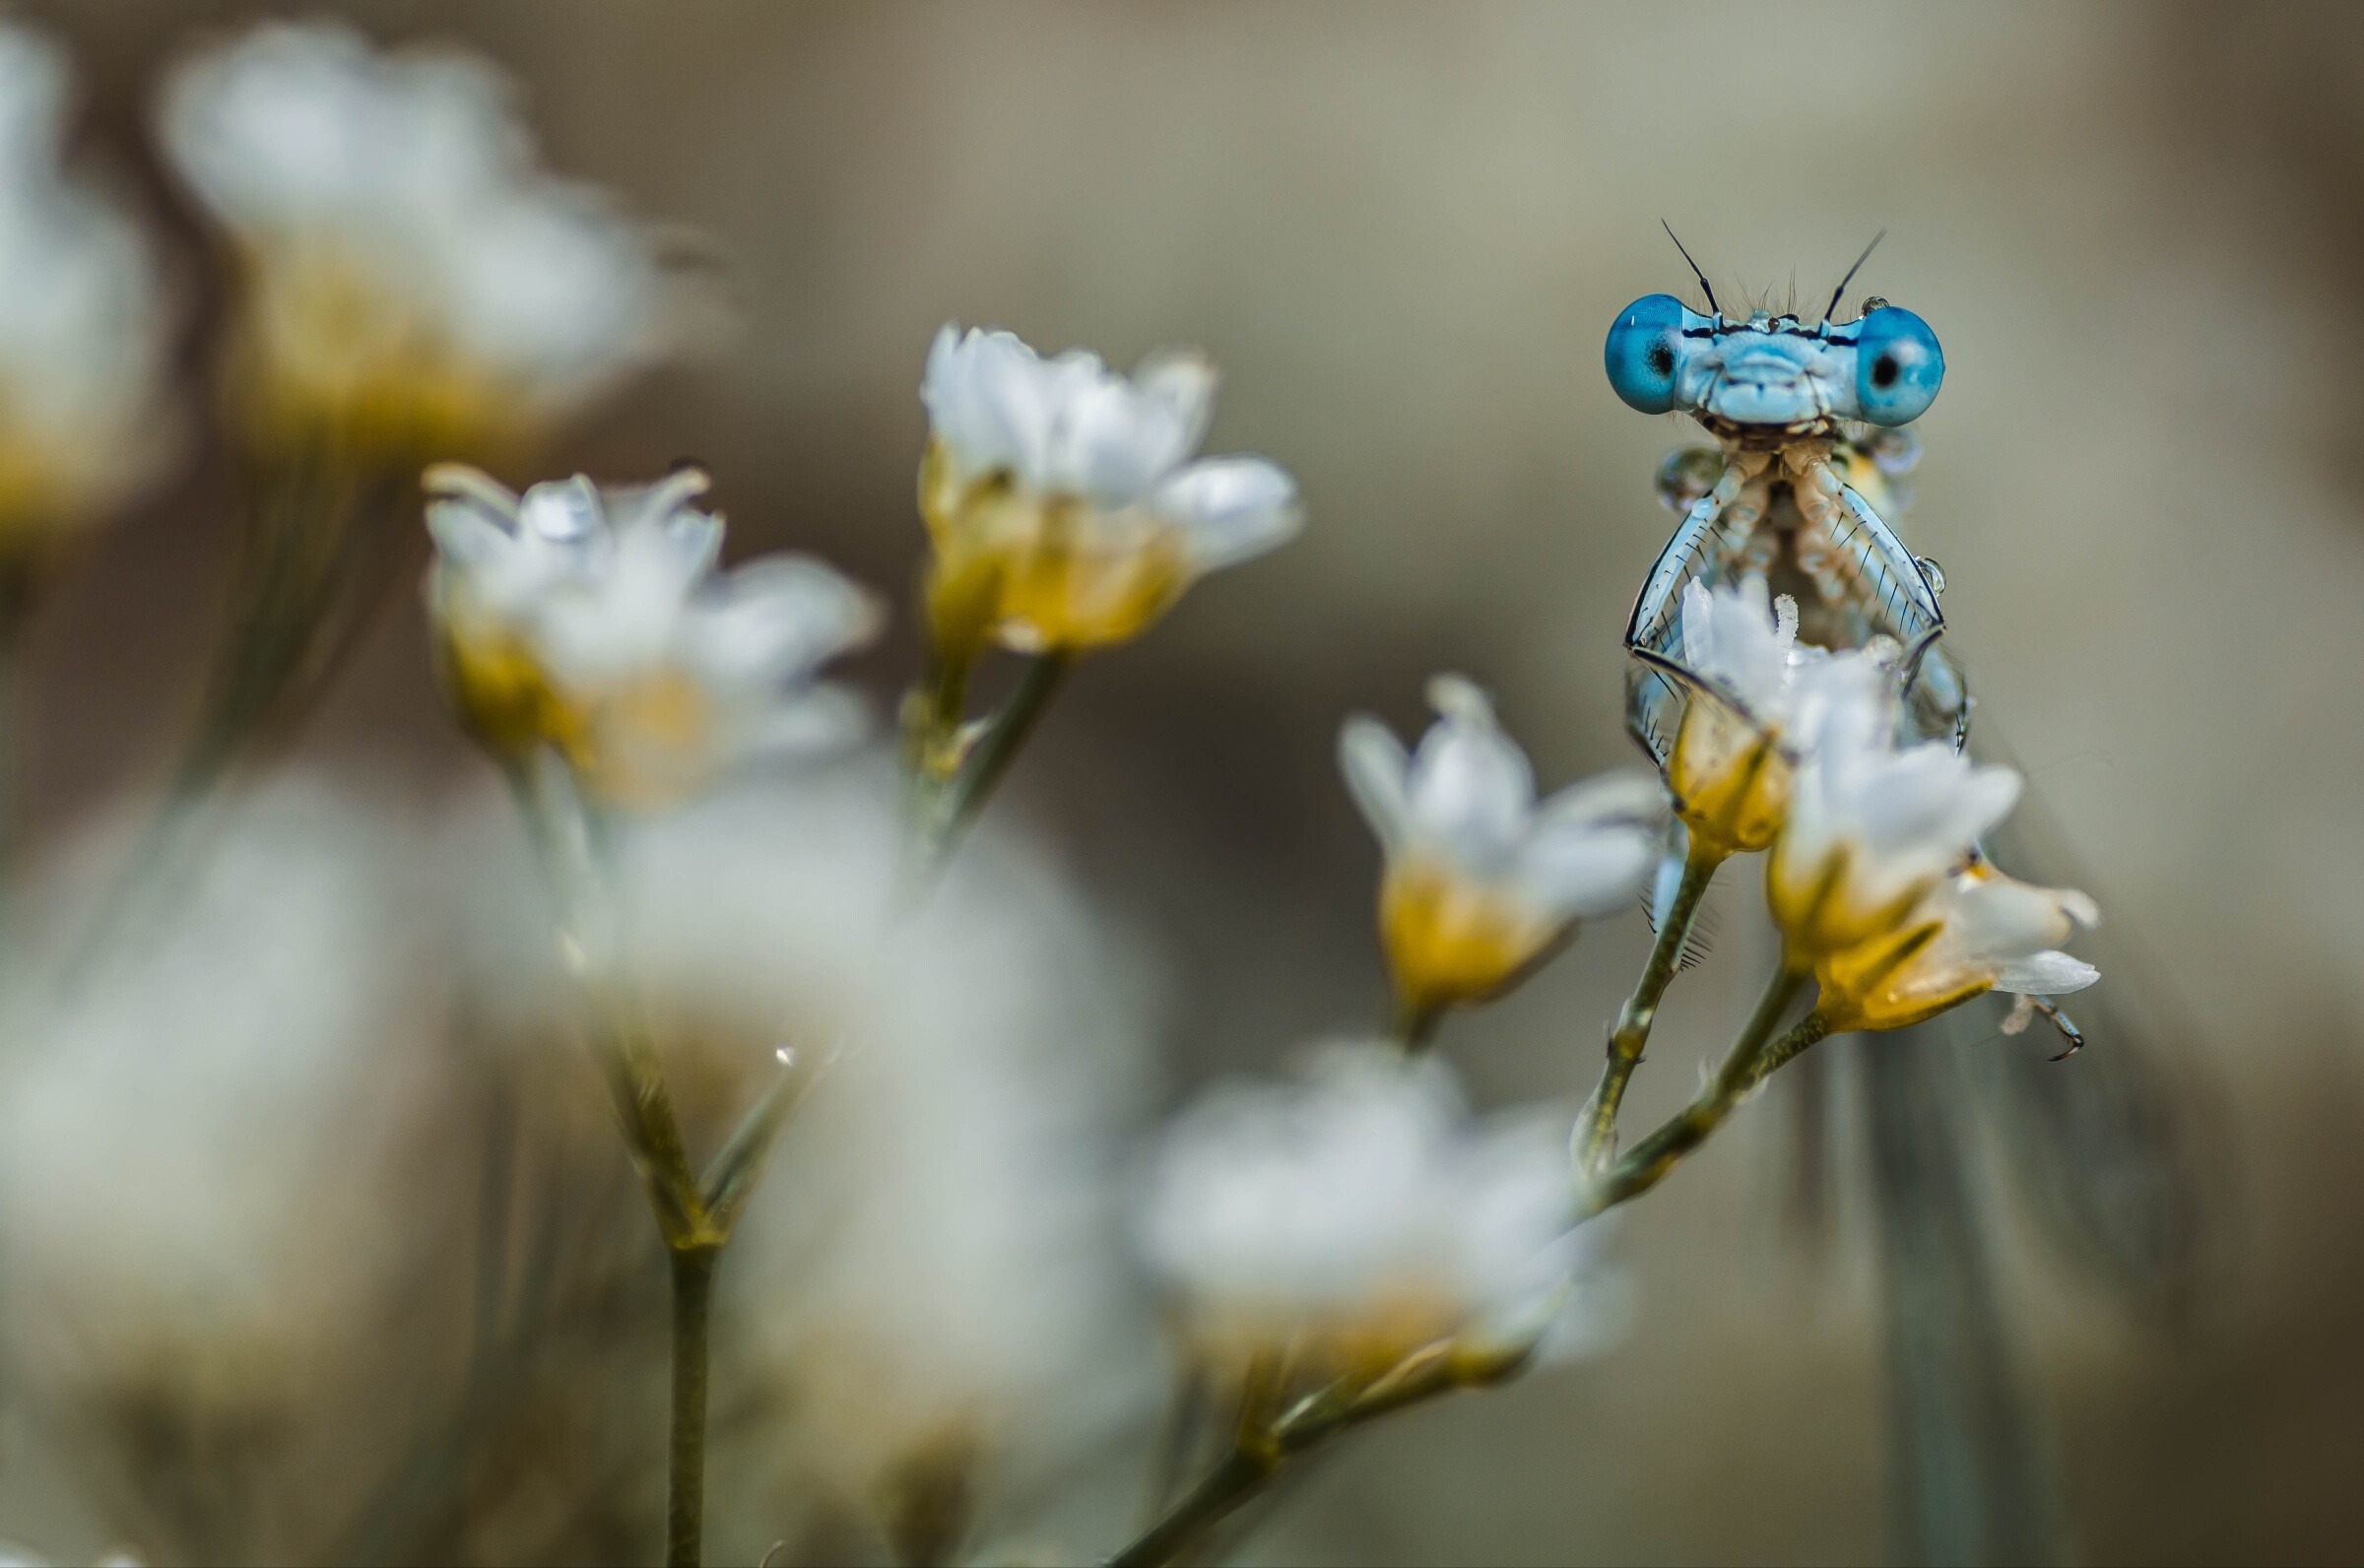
932	1270
593	620
411	271
217	1190
1756	704
1361	1215
1063	502
82	316
1481	878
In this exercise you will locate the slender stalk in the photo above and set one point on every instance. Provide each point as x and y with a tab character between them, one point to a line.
1257	1459
1412	1027
1752	1058
16	601
1596	1126
981	774
1238	1477
685	1469
694	1216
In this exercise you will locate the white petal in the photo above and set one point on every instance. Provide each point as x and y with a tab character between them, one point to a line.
1113	444
465	537
1184	381
458	482
1471	787
778	619
1373	763
984	398
1628	795
1584	872
2047	974
1231	508
815	721
2000	917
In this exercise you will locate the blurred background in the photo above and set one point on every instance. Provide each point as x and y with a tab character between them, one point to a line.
1401	232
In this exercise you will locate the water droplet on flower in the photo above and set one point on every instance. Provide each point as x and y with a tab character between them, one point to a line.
559	510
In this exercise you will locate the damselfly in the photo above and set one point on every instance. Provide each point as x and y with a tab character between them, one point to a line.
1812	430
1811	435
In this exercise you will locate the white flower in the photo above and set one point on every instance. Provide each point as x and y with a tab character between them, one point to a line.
1759	703
1062	499
1873	829
1735	638
1975	932
226	1168
933	1260
593	620
1357	1216
82	314
1481	878
404	248
1877	886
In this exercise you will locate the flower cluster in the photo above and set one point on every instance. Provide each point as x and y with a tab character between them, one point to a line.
1481	880
414	285
1878	886
1874	877
1361	1215
592	620
1062	501
82	319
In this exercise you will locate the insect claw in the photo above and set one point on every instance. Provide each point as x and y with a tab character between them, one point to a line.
2061	1022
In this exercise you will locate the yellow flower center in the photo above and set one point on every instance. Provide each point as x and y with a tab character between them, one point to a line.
1040	573
502	695
1449	938
1730	783
328	349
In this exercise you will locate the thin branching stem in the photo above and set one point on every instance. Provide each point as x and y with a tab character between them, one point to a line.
694	1214
945	809
1752	1058
1264	1450
1596	1126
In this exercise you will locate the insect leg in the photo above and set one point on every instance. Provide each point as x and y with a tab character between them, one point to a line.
1696	549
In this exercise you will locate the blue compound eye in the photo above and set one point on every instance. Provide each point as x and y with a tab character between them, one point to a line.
1898	366
1641	353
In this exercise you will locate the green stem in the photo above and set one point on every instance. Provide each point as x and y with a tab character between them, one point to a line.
1221	1491
1752	1056
1412	1028
957	804
685	1481
1596	1126
1256	1460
